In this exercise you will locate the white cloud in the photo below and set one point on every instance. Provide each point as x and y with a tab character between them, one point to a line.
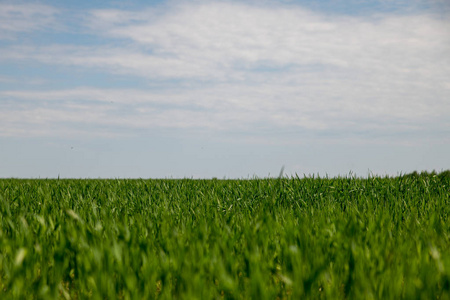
230	41
209	39
219	108
246	67
25	18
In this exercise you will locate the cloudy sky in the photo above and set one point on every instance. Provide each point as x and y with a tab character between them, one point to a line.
234	89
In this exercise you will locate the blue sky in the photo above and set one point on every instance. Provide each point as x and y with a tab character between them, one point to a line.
227	89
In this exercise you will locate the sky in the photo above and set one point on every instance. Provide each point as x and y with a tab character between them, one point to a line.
225	89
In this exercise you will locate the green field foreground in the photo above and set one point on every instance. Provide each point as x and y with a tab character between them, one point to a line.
286	238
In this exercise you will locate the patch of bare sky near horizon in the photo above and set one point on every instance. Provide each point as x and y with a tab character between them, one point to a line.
286	67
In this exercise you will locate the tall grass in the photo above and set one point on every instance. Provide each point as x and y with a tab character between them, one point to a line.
288	238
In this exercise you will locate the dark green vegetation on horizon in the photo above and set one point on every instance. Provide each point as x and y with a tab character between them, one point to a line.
288	238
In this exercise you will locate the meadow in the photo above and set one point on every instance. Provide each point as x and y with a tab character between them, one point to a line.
285	238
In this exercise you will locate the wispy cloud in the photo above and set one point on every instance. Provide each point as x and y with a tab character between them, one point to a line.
235	66
25	18
217	39
253	110
231	41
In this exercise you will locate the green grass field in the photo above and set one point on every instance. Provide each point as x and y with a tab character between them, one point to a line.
288	238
